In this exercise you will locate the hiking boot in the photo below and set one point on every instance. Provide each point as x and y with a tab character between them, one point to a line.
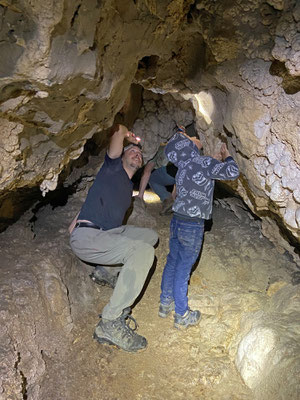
190	318
164	310
103	278
118	333
166	207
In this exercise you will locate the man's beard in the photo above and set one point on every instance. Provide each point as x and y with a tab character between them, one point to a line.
134	167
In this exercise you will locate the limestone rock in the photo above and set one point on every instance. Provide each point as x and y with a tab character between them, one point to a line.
139	216
268	353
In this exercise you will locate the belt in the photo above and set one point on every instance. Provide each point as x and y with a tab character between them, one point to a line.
86	225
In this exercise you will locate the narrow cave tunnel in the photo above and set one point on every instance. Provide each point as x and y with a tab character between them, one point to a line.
229	73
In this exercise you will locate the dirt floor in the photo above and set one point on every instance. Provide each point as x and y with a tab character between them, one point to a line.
236	268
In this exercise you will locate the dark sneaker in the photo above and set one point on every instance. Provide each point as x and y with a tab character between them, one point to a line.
190	318
117	332
164	310
103	278
166	207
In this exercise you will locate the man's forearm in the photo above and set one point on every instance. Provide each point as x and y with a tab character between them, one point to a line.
143	184
174	191
115	147
73	223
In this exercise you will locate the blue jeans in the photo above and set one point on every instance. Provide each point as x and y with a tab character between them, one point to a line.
185	244
158	181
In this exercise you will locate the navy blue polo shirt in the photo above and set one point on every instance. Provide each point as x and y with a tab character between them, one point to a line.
109	197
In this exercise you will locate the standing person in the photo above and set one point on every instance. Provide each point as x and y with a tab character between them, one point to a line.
195	182
100	238
159	173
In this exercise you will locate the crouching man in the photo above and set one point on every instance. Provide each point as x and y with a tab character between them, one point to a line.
100	238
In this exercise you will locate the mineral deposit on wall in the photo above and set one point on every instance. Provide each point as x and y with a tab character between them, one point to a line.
67	69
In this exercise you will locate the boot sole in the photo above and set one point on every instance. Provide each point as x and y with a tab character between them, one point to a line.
183	327
110	343
163	315
168	212
101	282
166	314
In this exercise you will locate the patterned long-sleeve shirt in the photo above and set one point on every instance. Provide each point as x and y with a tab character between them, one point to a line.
196	175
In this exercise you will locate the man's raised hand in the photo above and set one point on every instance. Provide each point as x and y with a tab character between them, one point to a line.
130	136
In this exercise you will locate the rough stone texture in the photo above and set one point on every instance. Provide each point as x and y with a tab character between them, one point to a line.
267	142
71	76
42	294
157	119
139	215
287	41
268	355
67	69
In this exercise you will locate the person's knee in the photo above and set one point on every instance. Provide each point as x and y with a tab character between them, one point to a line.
151	236
147	252
147	248
152	178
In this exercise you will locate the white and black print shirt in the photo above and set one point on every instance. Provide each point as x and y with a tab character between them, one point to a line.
195	178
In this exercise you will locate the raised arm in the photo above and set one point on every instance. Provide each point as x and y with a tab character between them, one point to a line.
180	151
145	178
181	148
119	133
222	154
221	167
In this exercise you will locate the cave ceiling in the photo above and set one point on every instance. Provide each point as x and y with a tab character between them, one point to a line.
69	69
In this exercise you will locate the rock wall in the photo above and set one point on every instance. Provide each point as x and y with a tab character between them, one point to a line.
67	69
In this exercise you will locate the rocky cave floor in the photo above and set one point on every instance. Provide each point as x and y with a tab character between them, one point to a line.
50	308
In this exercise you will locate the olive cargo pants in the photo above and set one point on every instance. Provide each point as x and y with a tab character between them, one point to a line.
128	245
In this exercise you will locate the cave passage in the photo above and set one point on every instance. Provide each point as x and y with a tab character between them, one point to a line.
229	72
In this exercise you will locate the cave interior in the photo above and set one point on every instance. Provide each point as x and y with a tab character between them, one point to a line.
229	71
